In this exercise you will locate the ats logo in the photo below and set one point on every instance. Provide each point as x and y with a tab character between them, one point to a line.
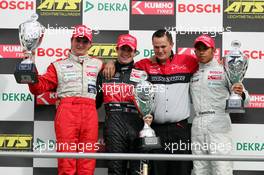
245	9
199	8
15	142
17	5
105	51
60	7
256	101
152	8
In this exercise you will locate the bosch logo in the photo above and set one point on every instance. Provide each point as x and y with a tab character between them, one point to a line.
252	54
51	52
20	5
199	8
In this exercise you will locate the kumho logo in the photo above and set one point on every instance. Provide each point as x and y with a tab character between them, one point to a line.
152	8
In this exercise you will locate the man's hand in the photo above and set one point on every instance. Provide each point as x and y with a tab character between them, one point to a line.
109	70
237	88
26	55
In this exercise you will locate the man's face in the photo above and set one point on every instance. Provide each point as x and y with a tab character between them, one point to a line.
162	48
80	46
125	54
204	54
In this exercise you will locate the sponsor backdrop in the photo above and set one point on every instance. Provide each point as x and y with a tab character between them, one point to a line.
26	122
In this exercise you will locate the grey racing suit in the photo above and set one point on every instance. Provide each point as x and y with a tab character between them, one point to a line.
211	128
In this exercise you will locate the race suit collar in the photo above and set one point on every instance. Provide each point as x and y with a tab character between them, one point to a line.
78	59
123	67
210	63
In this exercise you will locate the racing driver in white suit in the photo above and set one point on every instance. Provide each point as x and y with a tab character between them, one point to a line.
211	128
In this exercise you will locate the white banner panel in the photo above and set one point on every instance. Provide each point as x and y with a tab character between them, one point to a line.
55	45
16	12
248	139
44	141
16	170
114	14
17	103
199	15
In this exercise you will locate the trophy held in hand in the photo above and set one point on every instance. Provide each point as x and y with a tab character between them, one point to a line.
235	66
144	99
30	35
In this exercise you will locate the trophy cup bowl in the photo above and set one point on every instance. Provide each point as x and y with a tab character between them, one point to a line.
30	36
144	99
235	66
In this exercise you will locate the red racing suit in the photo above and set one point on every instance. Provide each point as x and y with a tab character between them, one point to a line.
76	121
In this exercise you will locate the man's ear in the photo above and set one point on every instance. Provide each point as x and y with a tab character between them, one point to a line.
214	50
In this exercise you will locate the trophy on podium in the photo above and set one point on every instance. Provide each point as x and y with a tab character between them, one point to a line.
144	99
235	66
30	35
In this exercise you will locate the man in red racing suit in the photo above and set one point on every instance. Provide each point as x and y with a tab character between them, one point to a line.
76	122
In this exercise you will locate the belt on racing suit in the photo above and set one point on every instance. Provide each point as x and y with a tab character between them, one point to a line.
206	112
77	100
121	107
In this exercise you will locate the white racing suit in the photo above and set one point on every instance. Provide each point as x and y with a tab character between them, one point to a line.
211	127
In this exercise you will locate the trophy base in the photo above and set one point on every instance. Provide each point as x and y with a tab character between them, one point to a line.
26	73
235	106
149	143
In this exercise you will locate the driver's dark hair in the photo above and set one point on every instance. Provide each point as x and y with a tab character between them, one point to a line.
161	33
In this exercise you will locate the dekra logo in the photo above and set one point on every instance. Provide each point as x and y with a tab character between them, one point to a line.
245	6
67	5
250	146
16	97
115	7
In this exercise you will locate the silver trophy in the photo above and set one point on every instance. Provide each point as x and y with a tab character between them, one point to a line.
144	100
235	66
30	35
